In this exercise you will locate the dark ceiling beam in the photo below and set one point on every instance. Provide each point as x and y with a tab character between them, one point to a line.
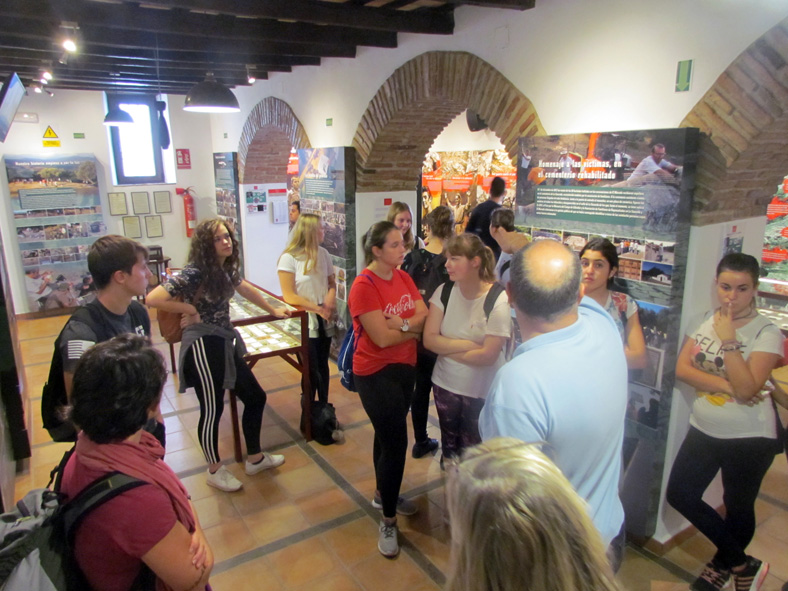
74	77
147	59
325	13
108	68
507	4
183	22
91	36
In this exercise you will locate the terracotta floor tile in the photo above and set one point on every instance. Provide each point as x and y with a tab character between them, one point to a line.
304	481
275	522
340	581
248	500
377	573
214	510
185	459
637	573
178	441
303	562
229	538
325	506
435	550
354	541
198	487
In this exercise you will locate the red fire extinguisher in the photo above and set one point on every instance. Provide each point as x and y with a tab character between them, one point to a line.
189	211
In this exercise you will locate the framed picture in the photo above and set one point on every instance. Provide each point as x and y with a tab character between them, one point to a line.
651	375
153	226
140	203
161	202
132	227
117	204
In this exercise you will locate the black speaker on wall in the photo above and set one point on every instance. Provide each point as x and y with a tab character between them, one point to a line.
475	123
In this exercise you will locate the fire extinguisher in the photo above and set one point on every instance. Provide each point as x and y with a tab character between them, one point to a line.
189	211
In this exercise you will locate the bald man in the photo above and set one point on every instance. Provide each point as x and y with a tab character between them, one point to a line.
567	382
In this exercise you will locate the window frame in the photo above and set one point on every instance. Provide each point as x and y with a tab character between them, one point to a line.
148	100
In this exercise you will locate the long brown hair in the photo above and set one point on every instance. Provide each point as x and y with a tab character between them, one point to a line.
218	281
397	208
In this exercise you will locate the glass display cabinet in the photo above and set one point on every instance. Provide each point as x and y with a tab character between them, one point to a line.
265	336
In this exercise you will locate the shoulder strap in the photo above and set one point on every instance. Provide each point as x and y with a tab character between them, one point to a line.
505	266
445	293
491	298
96	494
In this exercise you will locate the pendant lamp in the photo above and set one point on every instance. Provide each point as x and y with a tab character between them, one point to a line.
211	97
117	116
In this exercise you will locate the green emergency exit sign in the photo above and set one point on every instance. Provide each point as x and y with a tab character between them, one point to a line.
683	75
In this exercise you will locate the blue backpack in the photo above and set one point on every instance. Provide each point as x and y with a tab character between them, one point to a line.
346	351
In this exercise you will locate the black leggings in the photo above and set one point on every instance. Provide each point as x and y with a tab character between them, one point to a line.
204	368
385	396
743	463
420	404
319	374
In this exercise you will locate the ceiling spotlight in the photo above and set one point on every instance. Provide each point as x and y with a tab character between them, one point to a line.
209	96
43	80
64	58
69	45
46	75
118	117
249	75
36	88
49	92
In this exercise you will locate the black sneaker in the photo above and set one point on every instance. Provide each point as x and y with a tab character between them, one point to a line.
422	448
713	578
751	578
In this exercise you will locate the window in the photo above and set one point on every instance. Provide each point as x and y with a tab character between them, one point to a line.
136	149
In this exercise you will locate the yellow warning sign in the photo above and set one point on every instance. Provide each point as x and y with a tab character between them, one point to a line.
50	133
51	143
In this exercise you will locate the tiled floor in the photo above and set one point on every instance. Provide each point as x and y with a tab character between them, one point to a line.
309	525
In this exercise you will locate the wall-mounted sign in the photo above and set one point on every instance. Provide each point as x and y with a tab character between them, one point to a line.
183	158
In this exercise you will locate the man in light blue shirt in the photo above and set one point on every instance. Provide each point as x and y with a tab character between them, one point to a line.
567	383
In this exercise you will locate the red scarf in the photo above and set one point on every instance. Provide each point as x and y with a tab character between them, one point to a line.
141	460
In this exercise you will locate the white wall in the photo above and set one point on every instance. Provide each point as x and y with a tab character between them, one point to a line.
263	239
371	208
457	137
705	250
69	112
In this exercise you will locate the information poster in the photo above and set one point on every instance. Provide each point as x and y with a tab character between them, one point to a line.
57	215
774	257
326	185
461	180
633	188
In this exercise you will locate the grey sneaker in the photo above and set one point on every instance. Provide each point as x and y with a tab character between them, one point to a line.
404	506
224	480
268	462
387	541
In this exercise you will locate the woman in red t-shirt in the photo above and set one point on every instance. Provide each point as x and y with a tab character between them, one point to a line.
388	316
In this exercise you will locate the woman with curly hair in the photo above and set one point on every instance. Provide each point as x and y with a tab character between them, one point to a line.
518	525
211	357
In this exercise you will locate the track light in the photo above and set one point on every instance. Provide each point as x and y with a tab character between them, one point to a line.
49	92
249	75
69	45
36	86
211	97
46	75
118	117
64	58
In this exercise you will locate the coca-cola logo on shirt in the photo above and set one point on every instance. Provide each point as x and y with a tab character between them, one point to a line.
405	303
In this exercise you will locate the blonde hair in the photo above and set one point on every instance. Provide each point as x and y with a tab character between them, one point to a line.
469	246
304	240
518	525
397	208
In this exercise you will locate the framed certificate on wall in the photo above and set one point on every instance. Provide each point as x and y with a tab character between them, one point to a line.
140	203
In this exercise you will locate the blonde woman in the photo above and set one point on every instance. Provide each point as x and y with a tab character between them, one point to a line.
401	216
518	525
468	333
306	275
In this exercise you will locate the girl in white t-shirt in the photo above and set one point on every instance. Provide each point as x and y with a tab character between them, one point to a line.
470	345
306	275
599	260
727	357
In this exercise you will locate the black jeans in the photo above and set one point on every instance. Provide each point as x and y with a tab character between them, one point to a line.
204	367
319	374
385	396
420	404
743	462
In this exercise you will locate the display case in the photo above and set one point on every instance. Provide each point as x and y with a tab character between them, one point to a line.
774	305
265	336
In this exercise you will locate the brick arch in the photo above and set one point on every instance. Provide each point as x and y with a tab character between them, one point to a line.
744	120
270	131
421	98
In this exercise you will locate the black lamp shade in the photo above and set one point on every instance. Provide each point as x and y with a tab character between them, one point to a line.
117	116
211	97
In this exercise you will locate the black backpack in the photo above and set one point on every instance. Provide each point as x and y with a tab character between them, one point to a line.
427	270
489	300
54	401
37	537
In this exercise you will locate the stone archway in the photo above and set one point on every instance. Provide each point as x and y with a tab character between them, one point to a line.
744	119
270	131
421	98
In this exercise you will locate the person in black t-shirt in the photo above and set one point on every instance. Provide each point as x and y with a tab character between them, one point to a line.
479	222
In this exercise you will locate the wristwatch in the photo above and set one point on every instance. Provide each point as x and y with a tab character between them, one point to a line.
405	326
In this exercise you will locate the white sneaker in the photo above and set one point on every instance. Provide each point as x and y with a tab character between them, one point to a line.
268	462
224	480
387	541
